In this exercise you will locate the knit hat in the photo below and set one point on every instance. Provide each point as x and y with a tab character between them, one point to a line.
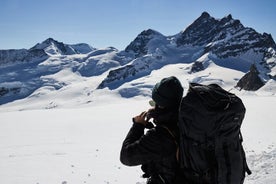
168	92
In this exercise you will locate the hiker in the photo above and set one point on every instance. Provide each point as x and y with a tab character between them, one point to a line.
156	149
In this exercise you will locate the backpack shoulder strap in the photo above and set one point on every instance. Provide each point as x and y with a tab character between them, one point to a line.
175	140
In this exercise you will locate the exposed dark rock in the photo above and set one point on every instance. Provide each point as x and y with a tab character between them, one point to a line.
225	37
200	32
196	67
4	90
251	81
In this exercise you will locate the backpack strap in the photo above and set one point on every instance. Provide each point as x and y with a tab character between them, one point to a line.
175	140
247	170
224	164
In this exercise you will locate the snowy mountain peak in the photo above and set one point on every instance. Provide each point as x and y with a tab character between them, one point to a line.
204	15
200	32
50	40
207	29
139	46
229	17
53	47
46	43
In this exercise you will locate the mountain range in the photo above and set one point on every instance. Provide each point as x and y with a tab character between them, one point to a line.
53	67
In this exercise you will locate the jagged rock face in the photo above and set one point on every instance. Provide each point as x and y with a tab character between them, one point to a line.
196	67
123	73
243	42
140	67
269	63
200	32
251	81
140	43
226	37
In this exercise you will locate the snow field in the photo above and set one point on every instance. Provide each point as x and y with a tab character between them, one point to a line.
82	145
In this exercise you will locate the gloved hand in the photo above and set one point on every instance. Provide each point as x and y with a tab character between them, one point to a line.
143	119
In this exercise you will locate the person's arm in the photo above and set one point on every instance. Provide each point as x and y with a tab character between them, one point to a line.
138	148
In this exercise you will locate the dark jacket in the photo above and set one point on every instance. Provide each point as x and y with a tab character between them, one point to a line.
155	151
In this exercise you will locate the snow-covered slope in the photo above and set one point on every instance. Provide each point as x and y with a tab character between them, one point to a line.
82	145
20	79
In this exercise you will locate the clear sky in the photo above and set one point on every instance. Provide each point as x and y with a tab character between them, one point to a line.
104	23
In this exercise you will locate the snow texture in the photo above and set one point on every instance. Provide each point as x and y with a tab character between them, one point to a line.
82	145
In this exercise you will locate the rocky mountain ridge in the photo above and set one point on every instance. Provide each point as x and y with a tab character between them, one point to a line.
53	47
206	42
226	42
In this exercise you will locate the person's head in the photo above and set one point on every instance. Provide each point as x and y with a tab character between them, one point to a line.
166	97
168	93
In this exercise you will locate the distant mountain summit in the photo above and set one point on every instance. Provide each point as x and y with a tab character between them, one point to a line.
53	47
42	51
225	37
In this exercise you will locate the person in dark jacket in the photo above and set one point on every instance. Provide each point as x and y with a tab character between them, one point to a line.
156	150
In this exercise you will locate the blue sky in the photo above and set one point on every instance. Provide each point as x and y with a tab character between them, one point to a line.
104	23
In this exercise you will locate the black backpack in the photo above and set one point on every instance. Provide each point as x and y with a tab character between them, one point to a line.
210	148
